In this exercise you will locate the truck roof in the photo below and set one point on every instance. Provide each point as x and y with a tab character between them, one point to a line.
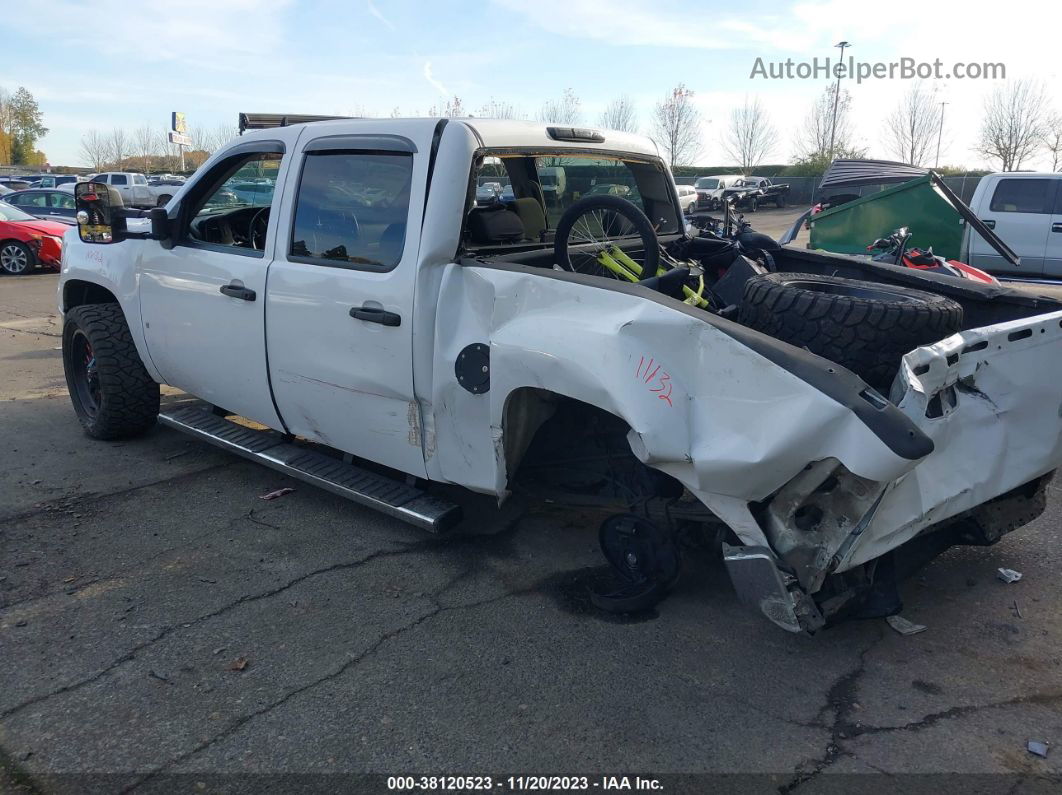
494	133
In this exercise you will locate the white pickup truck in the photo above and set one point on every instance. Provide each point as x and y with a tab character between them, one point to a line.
134	189
384	335
1025	211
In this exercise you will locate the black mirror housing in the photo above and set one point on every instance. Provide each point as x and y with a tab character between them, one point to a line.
161	229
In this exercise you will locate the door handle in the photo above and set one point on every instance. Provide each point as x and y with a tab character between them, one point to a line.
374	314
238	291
1056	227
989	223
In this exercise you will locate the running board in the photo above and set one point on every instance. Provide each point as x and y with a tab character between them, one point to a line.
268	447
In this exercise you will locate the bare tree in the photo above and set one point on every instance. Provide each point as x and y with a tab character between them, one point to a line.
1053	141
620	114
145	147
453	109
117	147
1016	117
497	109
813	141
912	128
94	150
5	126
676	127
566	110
751	137
221	135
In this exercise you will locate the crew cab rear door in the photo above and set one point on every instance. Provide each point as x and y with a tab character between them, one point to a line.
1018	211
203	300
340	298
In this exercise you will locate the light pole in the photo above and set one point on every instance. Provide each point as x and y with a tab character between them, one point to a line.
940	134
836	96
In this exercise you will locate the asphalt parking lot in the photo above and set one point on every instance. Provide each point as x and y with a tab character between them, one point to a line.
157	618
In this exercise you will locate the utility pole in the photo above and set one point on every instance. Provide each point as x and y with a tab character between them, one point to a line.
836	96
940	134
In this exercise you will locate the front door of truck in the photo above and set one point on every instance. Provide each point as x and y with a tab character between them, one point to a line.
340	299
1053	255
203	301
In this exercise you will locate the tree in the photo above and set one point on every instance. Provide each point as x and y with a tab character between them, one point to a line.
145	147
1015	121
201	140
222	134
94	150
751	137
117	147
1053	141
566	110
912	129
676	127
26	126
5	127
813	141
453	109
620	115
497	109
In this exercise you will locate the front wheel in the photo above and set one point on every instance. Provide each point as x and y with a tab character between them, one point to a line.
16	258
113	395
164	199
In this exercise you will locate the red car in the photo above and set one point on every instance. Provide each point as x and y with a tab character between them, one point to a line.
26	242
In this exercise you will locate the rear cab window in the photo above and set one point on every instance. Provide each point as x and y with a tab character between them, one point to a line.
1014	195
351	209
544	185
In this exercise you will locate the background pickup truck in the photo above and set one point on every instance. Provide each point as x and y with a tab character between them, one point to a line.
134	189
1025	211
814	412
753	192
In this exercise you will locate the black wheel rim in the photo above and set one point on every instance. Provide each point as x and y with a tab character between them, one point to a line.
85	374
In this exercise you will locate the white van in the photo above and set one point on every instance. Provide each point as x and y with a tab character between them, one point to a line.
710	189
1025	210
687	195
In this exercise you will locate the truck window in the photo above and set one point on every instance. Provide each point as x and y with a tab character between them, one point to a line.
351	209
119	179
220	217
1021	196
139	179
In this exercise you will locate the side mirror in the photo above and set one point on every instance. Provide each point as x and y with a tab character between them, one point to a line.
160	225
100	216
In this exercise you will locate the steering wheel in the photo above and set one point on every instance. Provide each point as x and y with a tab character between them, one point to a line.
256	231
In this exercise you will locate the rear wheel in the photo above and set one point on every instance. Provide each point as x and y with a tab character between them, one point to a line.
164	199
16	258
112	393
780	201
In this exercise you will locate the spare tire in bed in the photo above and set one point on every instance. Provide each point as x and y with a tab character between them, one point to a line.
864	326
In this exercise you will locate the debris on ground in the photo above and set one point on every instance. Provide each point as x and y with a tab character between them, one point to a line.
1017	610
1038	747
220	649
1008	575
905	627
287	490
239	664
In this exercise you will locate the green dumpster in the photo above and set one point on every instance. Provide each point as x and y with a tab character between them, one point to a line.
920	205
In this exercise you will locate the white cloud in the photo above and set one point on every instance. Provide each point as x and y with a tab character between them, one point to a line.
436	84
379	15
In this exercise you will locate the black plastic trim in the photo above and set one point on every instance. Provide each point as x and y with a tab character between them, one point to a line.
366	143
894	428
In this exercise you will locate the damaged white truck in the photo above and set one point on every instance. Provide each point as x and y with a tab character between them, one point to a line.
370	329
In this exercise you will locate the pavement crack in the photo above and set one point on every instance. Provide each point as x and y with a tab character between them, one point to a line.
236	725
840	703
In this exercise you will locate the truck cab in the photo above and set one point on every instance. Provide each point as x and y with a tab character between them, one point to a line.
134	189
1025	211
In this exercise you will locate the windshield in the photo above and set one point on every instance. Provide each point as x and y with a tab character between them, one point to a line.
10	213
707	182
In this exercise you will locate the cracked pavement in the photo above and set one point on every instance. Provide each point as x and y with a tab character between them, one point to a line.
135	576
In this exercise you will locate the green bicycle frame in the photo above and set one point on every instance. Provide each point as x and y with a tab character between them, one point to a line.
617	261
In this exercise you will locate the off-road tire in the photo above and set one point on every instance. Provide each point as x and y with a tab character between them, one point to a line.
128	396
780	202
864	326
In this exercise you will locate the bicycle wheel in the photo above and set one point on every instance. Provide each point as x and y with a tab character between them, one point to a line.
596	224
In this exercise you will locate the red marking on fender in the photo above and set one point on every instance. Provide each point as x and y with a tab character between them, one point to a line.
663	386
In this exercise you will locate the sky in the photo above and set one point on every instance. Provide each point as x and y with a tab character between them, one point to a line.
105	63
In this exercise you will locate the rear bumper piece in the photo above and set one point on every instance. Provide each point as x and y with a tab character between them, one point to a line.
760	584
